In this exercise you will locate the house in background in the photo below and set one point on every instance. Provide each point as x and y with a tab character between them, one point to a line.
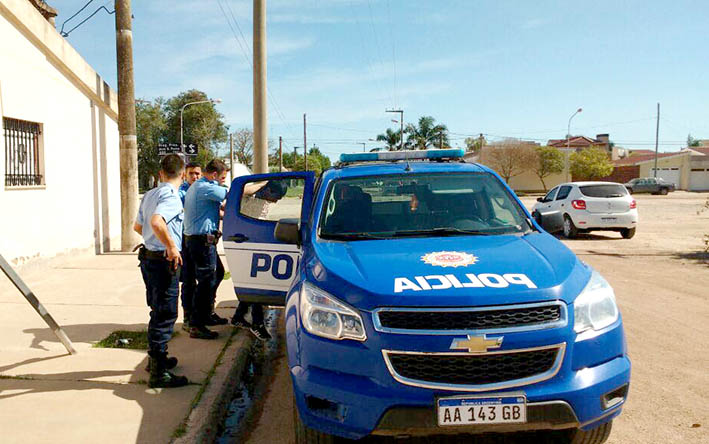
59	144
688	169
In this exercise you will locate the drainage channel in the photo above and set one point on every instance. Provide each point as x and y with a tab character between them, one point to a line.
258	373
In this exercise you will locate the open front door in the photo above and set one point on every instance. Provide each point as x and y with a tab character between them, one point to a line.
261	267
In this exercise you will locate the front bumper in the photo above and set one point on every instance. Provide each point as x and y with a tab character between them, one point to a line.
342	389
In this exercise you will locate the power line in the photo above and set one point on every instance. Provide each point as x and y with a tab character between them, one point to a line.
61	31
66	34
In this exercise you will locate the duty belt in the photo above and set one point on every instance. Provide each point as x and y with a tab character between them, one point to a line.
144	253
211	238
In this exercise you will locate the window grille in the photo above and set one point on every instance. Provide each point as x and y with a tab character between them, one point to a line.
22	153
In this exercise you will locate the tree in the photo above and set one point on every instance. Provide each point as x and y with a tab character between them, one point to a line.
427	134
392	138
244	146
509	158
202	124
589	164
691	141
317	161
475	144
150	125
549	161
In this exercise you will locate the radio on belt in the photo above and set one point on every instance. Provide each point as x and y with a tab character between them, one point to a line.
420	298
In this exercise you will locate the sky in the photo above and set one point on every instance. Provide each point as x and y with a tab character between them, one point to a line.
502	68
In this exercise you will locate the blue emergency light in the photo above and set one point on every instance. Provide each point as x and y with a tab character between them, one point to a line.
453	153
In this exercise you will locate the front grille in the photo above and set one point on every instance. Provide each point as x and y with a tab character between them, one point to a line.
469	369
422	319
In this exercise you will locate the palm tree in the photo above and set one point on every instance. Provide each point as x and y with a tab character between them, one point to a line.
427	134
392	139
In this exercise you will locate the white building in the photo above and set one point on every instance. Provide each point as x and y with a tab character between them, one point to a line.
59	143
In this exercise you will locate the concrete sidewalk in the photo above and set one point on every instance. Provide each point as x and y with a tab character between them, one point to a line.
98	395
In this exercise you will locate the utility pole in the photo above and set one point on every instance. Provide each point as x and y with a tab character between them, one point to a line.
280	153
401	122
364	146
657	136
231	154
260	104
305	142
128	142
440	141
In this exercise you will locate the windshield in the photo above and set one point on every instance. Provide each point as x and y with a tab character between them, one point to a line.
409	205
611	190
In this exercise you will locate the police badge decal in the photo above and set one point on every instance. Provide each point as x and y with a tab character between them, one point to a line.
449	259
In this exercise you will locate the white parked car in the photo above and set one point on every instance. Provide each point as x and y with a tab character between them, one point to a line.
580	207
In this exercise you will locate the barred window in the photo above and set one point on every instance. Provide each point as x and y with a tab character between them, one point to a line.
23	158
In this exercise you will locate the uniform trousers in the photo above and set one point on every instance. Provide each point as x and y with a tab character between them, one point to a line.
161	290
203	256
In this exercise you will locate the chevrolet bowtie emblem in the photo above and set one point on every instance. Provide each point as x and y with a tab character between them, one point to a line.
476	344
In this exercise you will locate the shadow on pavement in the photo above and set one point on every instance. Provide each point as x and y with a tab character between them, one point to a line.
88	333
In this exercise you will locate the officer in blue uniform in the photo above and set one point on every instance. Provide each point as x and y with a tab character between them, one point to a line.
202	210
193	171
159	221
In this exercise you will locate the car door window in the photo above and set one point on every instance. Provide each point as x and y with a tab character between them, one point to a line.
550	195
563	192
272	200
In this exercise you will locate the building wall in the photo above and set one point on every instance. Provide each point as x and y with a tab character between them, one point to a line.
623	174
43	80
679	161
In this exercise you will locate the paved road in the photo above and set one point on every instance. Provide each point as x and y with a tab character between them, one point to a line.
662	286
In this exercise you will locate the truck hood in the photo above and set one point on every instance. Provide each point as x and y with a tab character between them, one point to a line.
459	271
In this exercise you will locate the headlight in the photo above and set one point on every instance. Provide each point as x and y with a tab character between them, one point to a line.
595	307
323	315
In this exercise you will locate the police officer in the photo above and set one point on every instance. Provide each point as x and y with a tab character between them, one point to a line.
202	205
255	202
160	223
193	171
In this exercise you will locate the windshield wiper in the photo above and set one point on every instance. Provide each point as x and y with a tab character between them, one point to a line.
350	236
441	231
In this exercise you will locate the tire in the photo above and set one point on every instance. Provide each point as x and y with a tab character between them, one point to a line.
630	190
664	191
570	230
306	435
627	233
598	435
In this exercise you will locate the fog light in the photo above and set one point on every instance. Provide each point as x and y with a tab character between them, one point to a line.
614	397
325	408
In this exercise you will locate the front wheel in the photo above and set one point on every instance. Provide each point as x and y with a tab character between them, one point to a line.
664	191
306	435
598	435
627	233
570	230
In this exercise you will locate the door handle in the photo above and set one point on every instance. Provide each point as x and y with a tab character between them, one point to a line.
238	238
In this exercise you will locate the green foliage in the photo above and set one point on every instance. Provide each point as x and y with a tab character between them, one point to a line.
549	161
392	138
317	161
590	164
159	121
426	134
475	144
691	141
136	340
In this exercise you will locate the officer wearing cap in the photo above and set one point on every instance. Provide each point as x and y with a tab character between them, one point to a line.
255	202
159	221
202	205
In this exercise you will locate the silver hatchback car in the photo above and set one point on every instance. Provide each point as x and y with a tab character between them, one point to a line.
581	207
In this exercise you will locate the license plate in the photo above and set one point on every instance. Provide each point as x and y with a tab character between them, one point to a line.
609	219
470	410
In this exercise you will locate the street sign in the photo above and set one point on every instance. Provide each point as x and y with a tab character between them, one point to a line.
191	149
168	148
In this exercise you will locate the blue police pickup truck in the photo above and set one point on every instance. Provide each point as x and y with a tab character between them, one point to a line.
422	299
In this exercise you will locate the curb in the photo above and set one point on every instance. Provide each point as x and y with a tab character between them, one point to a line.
212	402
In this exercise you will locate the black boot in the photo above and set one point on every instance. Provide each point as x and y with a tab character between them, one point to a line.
160	377
170	362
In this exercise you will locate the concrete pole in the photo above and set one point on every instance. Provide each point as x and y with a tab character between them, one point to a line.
260	105
305	143
128	142
657	137
280	153
231	154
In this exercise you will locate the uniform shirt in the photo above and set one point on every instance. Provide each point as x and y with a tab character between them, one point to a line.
202	203
165	201
254	207
182	191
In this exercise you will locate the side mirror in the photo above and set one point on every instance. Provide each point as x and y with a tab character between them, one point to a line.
288	231
540	199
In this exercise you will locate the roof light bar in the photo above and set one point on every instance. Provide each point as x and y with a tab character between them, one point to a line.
453	153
